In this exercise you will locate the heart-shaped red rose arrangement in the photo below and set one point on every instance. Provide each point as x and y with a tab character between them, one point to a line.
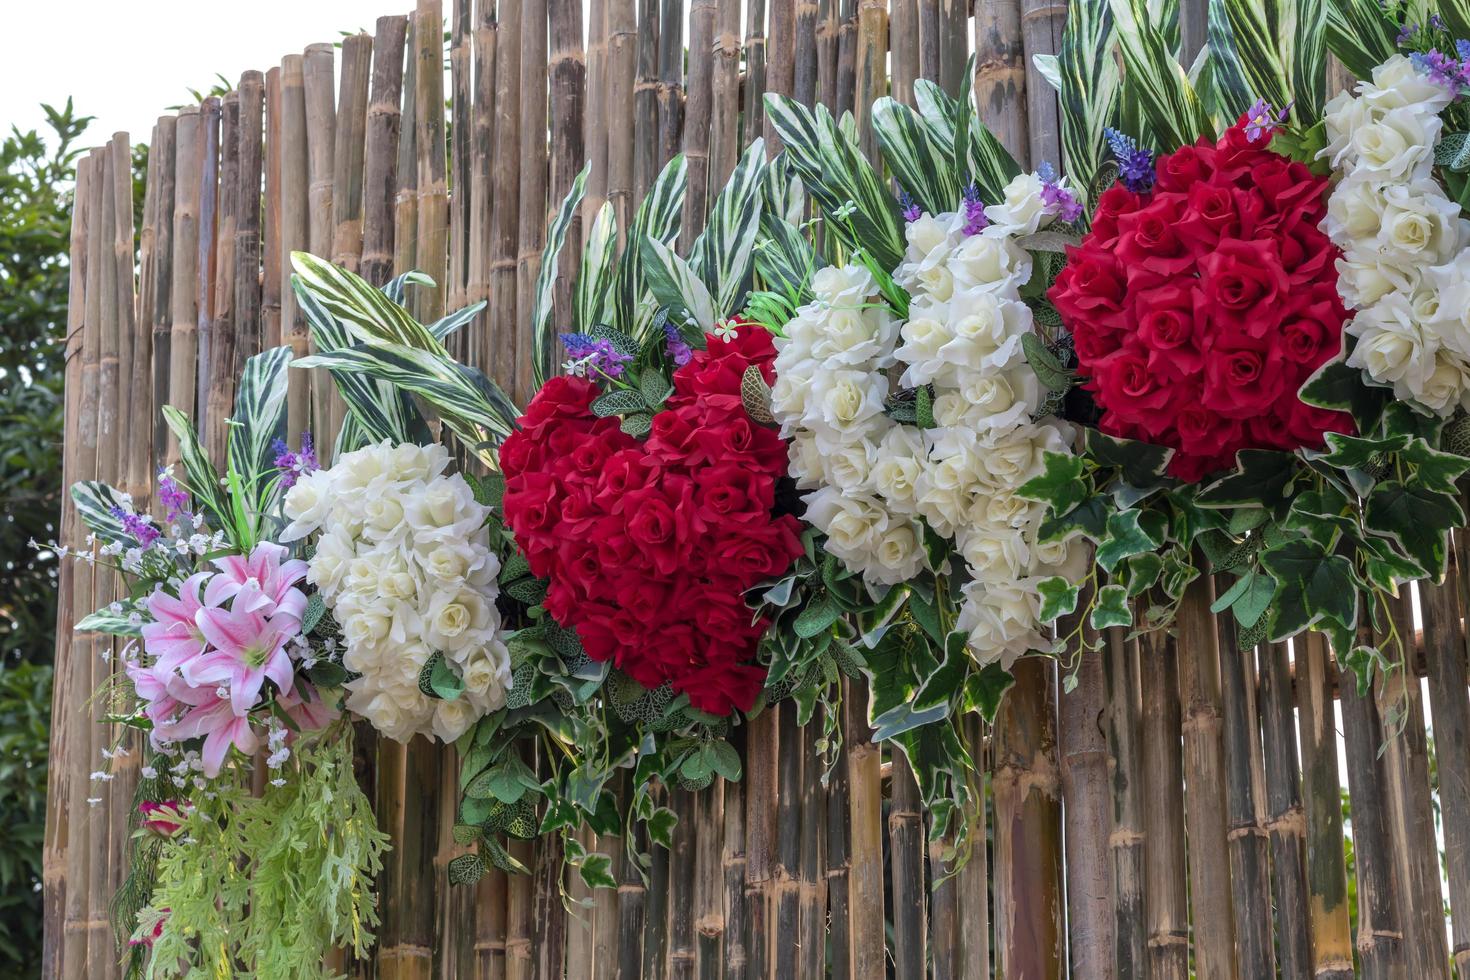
648	545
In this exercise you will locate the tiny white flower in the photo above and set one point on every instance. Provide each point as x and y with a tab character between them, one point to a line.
148	772
278	783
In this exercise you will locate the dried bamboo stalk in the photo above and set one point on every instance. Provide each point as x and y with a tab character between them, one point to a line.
548	924
1380	942
490	911
533	166
567	69
780	52
656	904
431	253
482	202
1042	22
1165	905
1332	948
904	41
1204	774
1285	819
826	41
247	219
670	79
927	21
954	16
1125	746
632	895
755	71
805	67
594	121
460	162
709	885
1244	798
906	858
811	940
865	802
682	881
318	67
1082	750
503	322
732	863
847	25
1444	640
761	775
183	290
1028	901
294	227
603	916
725	93
381	153
697	123
944	918
406	170
646	91
158	278
786	910
869	72
622	52
348	153
270	259
209	120
134	404
580	921
220	393
838	860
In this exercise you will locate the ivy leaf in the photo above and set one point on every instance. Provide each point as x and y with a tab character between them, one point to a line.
1260	479
1058	597
1141	464
660	825
1061	485
596	871
1418	519
1311	585
1126	536
1248	598
724	760
1090	517
1341	388
619	401
1111	608
1363	661
1354	452
1048	368
985	688
1435	470
1142	572
446	684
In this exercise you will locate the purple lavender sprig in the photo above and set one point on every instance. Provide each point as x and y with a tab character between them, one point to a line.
911	209
1444	70
174	498
1135	164
1262	119
597	353
139	527
678	351
294	466
1060	201
974	209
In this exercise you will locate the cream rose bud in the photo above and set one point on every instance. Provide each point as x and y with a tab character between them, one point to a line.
382	516
1398	84
453	718
1001	620
805	459
398	585
856	338
335	550
1366	275
381	711
480	672
923	337
455	620
1068	559
990	263
1355	209
1341	117
1419	221
994	554
1399	146
1391	343
845	286
307	504
901	459
1445	388
899	555
366	627
1449	320
1021	212
850	468
853	523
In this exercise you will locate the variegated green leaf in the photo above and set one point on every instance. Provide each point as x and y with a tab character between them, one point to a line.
200	476
1047	65
443	327
366	311
785	260
259	420
1087	70
95	502
840	179
953	123
657	218
922	164
1258	47
1456	14
105	621
782	194
676	288
721	254
543	342
592	294
470	404
1156	82
1361	35
396	287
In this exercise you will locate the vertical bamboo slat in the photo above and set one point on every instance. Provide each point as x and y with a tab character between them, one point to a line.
865	807
158	278
755	72
247	219
270	259
1083	753
595	119
1285	818
681	882
533	166
697	121
567	70
1165	905
709	885
293	227
381	154
811	938
220	391
1444	642
348	153
780	53
622	52
647	92
906	858
725	93
762	753
506	188
972	883
1126	841
785	911
208	197
184	325
482	203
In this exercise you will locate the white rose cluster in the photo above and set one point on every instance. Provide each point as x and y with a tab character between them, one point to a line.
404	563
1405	268
873	482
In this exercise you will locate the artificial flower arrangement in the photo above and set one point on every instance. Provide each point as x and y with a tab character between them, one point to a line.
262	604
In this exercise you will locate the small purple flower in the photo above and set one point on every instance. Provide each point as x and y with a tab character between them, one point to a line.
138	526
1406	34
294	466
974	208
1440	68
1135	164
1462	49
173	497
1057	198
678	351
911	209
1436	22
597	352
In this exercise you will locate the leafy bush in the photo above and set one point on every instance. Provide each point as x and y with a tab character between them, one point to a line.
25	714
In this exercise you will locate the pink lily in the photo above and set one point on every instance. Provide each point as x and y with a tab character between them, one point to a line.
221	728
249	649
260	583
173	638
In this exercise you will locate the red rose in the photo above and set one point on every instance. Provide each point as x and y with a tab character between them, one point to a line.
1111	204
1185	167
1244	285
722	688
1148	245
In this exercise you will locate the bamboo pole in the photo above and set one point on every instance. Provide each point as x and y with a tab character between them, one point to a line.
1082	750
761	775
682	881
1165	904
785	910
318	67
247	218
384	119
906	859
156	311
847	25
1380	942
220	391
904	41
826	41
209	121
595	121
1332	949
1285	818
869	71
506	187
1126	841
567	69
533	167
670	80
490	912
865	804
348	153
1204	774
709	886
406	170
1028	833
294	228
755	73
944	919
1042	22
431	253
1445	642
732	863
954	22
622	53
780	58
270	259
656	903
632	896
482	181
1245	816
838	859
603	916
805	68
184	325
927	22
580	921
548	923
725	93
646	96
461	163
972	887
812	938
697	122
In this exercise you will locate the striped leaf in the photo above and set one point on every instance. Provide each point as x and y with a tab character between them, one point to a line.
678	289
785	260
592	294
1254	46
443	327
1087	71
922	164
721	255
837	175
1048	66
376	411
105	621
1456	14
200	476
1157	83
782	194
470	404
657	218
543	342
366	311
1360	33
988	164
95	502
396	287
259	420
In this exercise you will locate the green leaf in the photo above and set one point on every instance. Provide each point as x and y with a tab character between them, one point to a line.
1364	661
1111	608
506	782
724	760
820	613
1087	83
922	165
466	869
657	218
1157	84
722	254
1139	463
660	825
1058	597
446	684
618	401
1312	585
592	294
107	622
1341	388
259	420
95	502
316	608
527	591
1260	478
1418	519
1453	152
985	688
1126	536
596	871
200	475
654	386
637	424
1050	371
444	327
1434	470
1061	485
677	288
785	260
1362	36
1268	49
543	338
1143	571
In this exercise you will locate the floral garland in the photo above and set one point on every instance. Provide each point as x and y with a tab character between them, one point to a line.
404	565
877	483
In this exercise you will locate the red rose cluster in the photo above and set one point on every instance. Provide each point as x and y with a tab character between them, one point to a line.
649	545
1199	308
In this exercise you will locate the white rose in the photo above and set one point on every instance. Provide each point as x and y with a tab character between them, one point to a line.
1004	510
1391	345
1420	222
1398	84
846	399
856	338
1068	559
1001	619
451	562
1447	319
1445	388
1021	212
843	286
1355	209
307	504
789	393
455	619
453	718
366	627
931	239
990	263
994	554
483	673
805	460
1000	399
900	461
850	468
854	523
380	710
1399	146
1011	458
987	334
1366	275
1341	117
923	338
382	517
335	551
899	555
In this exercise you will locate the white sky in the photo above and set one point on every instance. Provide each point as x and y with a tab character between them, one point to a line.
126	61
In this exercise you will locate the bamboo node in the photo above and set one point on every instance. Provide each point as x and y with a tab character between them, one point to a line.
1289	821
1125	837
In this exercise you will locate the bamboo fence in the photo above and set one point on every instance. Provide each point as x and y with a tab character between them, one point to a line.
1179	811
